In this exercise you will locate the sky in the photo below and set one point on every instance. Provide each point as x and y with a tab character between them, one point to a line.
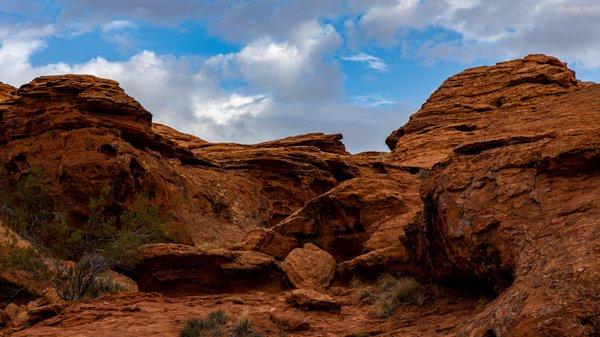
253	70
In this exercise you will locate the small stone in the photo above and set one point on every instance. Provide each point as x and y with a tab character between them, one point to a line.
12	311
290	321
307	299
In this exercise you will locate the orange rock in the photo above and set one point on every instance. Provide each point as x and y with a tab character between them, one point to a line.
512	199
308	299
289	320
309	267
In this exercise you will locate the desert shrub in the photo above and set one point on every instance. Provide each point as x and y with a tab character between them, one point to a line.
107	239
243	328
119	237
26	259
212	325
390	292
31	212
87	278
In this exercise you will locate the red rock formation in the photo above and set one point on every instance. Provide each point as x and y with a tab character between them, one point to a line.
179	269
86	133
309	268
493	187
6	91
511	201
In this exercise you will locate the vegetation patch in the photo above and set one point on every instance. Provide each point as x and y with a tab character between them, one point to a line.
105	240
391	292
215	324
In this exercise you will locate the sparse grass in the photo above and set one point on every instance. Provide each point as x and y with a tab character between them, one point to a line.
390	292
212	325
215	325
88	278
25	259
243	327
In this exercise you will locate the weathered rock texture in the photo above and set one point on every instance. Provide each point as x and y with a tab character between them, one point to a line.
512	199
309	267
179	269
492	188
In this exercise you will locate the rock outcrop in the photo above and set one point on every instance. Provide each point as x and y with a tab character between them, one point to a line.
179	270
511	201
85	133
492	189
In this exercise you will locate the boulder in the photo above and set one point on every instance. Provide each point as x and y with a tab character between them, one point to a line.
309	267
307	299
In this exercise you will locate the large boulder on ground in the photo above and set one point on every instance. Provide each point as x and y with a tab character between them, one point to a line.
309	267
180	269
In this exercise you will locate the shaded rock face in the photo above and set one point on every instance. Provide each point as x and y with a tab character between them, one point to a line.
511	202
179	269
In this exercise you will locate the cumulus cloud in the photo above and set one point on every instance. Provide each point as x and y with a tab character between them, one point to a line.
490	30
371	61
292	86
286	72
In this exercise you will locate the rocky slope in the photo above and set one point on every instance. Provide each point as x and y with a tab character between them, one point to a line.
491	189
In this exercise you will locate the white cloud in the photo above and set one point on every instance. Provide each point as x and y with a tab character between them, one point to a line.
372	100
492	30
118	25
371	61
292	86
297	69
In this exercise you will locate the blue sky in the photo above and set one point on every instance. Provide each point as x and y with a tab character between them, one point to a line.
253	70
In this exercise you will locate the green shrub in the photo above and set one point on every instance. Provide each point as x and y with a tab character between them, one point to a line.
26	259
212	325
215	325
107	239
31	212
390	292
87	278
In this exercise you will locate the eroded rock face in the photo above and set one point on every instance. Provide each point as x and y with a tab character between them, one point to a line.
179	269
309	267
493	186
483	104
511	201
86	133
6	91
